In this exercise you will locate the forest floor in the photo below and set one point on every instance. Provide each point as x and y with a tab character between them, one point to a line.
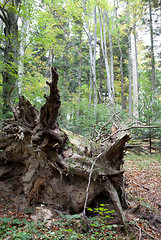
143	187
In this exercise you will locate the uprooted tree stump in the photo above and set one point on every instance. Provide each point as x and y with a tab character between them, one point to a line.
43	163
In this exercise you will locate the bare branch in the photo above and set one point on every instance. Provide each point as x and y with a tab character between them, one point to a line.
129	128
99	133
89	182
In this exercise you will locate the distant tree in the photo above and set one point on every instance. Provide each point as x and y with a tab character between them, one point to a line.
150	110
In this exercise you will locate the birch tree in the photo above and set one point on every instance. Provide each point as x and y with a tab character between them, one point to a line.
121	61
23	35
111	53
152	44
135	76
92	55
104	53
129	59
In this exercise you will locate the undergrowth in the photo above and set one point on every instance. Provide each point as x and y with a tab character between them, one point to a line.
70	227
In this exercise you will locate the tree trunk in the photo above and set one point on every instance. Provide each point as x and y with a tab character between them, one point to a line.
24	30
111	56
10	19
101	76
44	164
122	76
152	45
104	51
135	77
94	63
92	56
129	61
130	74
50	63
121	65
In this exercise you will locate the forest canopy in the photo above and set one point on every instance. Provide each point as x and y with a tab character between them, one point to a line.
107	53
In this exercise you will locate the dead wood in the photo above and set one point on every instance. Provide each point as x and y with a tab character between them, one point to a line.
57	167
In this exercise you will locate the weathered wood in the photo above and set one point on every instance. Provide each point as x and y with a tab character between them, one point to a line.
55	164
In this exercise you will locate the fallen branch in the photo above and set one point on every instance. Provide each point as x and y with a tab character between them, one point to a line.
141	186
89	182
128	128
148	234
99	133
115	198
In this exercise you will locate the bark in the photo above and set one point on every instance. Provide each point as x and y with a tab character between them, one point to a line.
44	164
50	63
24	31
130	74
121	65
135	77
94	62
104	51
111	56
129	61
10	19
122	76
92	57
152	45
101	76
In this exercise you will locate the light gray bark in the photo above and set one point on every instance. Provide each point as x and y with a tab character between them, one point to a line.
92	56
135	77
122	75
130	74
121	65
94	61
50	63
152	45
24	31
104	52
111	55
129	61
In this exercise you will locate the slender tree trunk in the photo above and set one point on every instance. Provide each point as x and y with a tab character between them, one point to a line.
90	87
79	85
129	61
50	63
101	75
24	31
130	74
152	45
111	56
122	76
94	62
121	65
135	77
104	51
92	56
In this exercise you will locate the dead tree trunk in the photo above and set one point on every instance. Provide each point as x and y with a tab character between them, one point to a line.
42	163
